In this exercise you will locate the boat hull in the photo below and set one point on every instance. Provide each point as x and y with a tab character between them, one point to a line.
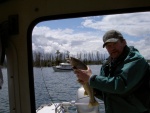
61	69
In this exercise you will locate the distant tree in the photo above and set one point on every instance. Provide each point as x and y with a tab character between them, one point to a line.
67	54
50	59
37	59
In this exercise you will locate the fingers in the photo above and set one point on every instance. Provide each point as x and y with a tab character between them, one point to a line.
83	75
78	73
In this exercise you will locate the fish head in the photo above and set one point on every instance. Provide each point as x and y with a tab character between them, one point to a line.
77	64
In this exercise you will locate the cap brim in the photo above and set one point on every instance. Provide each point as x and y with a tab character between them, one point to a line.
110	40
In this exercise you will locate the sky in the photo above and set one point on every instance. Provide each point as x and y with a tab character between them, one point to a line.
84	35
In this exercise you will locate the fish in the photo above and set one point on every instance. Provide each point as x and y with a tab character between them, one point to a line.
78	64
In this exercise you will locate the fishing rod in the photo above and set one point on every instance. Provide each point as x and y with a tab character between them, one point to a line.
50	97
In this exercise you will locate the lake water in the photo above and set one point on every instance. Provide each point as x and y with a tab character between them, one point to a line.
4	101
49	86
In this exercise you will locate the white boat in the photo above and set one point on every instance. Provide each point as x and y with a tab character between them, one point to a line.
81	105
62	67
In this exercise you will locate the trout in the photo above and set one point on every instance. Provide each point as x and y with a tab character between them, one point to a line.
77	64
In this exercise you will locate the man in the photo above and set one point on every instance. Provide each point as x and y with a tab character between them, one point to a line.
120	83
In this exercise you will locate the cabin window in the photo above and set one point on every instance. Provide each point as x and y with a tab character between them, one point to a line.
55	40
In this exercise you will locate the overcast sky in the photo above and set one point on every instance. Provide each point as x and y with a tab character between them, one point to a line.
85	34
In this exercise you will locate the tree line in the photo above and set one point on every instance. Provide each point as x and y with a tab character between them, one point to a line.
51	59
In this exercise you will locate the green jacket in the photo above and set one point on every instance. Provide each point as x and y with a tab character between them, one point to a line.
117	83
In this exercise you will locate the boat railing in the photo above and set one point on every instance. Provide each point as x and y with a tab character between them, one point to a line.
63	107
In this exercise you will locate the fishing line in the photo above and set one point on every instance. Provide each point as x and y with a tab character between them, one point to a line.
61	108
46	86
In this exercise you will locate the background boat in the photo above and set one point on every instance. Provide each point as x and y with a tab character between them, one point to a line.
62	67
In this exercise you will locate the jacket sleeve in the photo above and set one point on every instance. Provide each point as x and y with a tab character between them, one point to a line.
126	76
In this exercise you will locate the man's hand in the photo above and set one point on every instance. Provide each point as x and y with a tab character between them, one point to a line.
83	75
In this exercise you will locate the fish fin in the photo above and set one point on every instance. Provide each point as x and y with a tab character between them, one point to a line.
85	93
92	104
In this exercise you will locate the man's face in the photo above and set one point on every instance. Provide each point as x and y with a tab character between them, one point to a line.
115	48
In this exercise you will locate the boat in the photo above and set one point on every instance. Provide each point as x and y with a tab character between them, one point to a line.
81	105
63	67
17	21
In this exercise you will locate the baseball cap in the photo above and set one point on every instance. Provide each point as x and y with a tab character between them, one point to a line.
111	36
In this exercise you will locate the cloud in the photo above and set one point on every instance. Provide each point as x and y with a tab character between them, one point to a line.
88	37
52	40
142	46
134	24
